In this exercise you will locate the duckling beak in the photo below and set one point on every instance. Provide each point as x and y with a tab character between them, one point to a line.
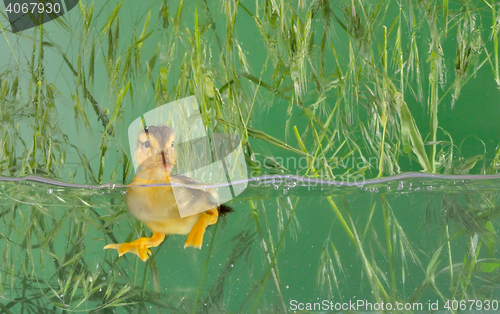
160	160
166	162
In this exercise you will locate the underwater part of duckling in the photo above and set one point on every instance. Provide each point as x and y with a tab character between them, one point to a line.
157	206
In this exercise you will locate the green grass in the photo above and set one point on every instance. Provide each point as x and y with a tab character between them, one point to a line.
326	81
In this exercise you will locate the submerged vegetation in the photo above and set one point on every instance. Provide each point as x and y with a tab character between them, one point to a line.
344	89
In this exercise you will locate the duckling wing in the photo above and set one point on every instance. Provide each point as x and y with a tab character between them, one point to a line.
194	198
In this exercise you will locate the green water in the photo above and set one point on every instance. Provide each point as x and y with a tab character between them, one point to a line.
340	96
289	246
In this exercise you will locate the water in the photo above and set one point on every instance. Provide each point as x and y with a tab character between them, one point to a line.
405	182
319	240
318	88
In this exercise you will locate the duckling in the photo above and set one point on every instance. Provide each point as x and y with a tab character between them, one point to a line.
156	206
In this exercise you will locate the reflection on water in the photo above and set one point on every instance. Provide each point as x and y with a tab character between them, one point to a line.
413	238
406	182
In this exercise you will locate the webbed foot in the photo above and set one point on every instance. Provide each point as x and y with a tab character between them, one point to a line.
195	237
139	247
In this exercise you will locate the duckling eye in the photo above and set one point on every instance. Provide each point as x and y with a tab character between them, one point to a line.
147	144
172	145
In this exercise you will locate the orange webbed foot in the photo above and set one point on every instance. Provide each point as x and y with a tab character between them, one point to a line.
139	247
195	237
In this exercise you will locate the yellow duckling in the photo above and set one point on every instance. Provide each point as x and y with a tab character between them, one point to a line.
156	206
